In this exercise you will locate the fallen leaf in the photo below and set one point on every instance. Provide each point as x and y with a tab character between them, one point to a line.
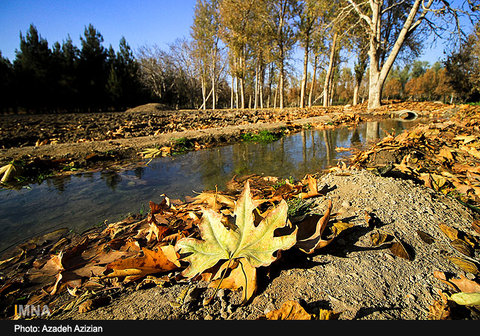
312	188
425	237
399	250
440	309
309	241
241	275
464	264
466	299
476	225
449	231
257	244
378	238
465	285
137	267
462	247
290	310
214	200
325	314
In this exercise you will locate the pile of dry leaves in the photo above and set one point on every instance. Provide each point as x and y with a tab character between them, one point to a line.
445	156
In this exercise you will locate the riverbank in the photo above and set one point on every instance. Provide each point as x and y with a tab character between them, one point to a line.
356	276
46	145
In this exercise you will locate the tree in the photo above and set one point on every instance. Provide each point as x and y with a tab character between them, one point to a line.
463	68
123	84
32	68
93	72
278	23
413	14
237	19
6	84
205	33
308	23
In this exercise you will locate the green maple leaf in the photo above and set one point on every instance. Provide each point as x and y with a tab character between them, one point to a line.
257	244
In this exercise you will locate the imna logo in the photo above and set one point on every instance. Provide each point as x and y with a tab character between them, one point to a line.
23	311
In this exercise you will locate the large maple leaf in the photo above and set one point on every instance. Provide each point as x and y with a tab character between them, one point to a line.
254	244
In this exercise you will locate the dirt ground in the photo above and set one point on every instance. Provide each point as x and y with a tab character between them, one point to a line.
349	276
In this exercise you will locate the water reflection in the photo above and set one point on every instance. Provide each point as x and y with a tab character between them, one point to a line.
81	201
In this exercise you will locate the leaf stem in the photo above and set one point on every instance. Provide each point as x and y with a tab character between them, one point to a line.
207	301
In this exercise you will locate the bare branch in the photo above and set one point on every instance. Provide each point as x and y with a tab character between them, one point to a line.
393	6
361	14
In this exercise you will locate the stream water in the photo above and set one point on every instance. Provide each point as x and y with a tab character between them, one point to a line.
81	201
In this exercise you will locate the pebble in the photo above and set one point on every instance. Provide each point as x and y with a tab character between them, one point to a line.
270	307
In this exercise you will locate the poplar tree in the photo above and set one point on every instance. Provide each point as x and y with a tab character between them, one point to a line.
205	33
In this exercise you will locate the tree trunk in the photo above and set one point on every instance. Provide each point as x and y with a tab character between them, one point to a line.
214	63
303	87
312	86
256	89
242	93
281	84
356	90
262	81
378	74
329	75
204	89
232	93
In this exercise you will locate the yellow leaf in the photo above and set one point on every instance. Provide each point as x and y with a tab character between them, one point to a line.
151	262
290	310
449	231
466	299
243	275
464	264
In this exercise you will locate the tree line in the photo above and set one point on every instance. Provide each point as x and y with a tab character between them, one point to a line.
68	78
241	54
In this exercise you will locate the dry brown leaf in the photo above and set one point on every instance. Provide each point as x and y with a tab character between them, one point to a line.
446	153
440	310
449	231
476	225
399	250
462	247
425	237
464	264
465	285
378	238
290	310
307	241
241	275
312	187
137	267
214	200
325	314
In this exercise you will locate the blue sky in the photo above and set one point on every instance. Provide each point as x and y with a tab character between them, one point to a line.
141	22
